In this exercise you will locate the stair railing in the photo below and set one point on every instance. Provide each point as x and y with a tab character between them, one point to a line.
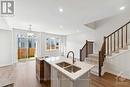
102	55
84	51
112	43
87	49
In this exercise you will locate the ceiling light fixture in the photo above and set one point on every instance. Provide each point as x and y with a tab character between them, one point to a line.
60	9
122	8
30	34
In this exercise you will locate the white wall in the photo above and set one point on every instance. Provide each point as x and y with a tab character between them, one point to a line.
119	64
75	42
5	47
5	43
107	26
3	24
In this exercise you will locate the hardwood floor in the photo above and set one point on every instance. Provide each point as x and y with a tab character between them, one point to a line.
23	74
108	80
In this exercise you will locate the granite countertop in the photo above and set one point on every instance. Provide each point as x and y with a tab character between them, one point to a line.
85	67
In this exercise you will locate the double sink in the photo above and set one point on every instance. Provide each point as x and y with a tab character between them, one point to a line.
68	67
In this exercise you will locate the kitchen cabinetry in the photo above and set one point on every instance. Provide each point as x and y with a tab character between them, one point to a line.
40	69
58	79
65	81
43	71
55	79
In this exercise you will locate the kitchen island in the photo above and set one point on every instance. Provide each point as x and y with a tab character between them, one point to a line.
66	74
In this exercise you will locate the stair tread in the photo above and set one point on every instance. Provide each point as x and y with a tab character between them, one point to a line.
116	54
92	62
125	48
93	55
117	51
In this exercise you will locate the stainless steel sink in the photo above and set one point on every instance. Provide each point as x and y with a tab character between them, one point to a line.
63	64
68	67
72	69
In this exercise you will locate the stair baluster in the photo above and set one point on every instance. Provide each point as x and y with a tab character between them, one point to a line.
111	45
87	49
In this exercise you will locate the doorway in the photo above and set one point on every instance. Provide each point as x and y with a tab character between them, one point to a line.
27	47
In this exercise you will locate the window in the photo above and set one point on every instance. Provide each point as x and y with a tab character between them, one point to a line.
52	44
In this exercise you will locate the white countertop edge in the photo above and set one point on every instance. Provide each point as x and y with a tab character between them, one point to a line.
85	67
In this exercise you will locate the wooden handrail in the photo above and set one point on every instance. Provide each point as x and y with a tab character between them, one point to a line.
112	43
119	29
102	55
82	51
83	46
85	51
118	42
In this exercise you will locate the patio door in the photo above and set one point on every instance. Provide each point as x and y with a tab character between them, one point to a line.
26	47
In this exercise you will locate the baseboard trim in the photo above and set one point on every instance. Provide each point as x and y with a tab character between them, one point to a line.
5	65
115	74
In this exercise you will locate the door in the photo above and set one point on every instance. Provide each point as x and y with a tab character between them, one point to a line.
32	47
65	81
22	48
26	46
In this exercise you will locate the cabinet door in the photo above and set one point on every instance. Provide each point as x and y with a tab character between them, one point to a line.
82	81
55	82
59	80
65	81
47	71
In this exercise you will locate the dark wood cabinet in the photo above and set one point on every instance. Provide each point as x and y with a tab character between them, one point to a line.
40	69
43	71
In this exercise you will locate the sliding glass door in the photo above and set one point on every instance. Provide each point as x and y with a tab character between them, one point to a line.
26	47
22	48
31	47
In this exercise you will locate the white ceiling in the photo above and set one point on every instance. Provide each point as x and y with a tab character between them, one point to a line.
44	15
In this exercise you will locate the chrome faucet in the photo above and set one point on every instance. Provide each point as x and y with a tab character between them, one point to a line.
73	56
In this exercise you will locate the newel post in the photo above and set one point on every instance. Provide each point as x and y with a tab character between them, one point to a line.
86	48
105	44
80	55
100	66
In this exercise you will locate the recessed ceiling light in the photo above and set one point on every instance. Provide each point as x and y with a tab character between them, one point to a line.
61	26
60	9
122	8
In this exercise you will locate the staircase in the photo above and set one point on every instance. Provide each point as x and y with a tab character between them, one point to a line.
86	50
94	60
86	54
114	44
